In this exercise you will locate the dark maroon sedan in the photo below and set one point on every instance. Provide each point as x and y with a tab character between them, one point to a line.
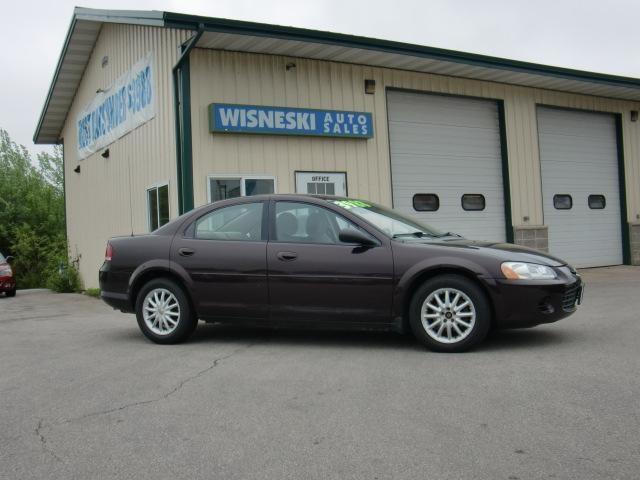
297	260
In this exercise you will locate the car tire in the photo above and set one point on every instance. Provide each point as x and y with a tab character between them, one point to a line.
456	326
11	293
164	312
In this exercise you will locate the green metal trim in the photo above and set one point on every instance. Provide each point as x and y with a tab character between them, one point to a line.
506	185
624	222
184	137
184	21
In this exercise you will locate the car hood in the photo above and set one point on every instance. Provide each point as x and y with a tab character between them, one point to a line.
503	252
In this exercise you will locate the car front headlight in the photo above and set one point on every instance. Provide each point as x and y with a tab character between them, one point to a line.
527	271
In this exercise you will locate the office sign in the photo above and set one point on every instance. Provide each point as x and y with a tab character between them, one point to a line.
124	106
231	118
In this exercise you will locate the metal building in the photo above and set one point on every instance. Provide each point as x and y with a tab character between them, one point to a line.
160	112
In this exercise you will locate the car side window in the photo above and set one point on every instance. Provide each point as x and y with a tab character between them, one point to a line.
305	223
237	222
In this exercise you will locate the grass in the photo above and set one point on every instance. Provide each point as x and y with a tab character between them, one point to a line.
92	292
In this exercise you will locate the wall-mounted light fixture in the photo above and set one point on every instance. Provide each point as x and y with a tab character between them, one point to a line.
105	154
369	86
77	169
100	90
105	61
290	66
634	115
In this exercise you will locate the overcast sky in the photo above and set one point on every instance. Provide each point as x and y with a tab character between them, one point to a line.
588	35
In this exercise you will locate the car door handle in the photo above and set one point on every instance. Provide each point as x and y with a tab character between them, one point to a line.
186	252
287	256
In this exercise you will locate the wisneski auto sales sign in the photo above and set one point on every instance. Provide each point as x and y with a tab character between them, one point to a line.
124	106
231	118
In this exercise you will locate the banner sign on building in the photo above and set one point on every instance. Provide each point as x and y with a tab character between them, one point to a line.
230	118
126	105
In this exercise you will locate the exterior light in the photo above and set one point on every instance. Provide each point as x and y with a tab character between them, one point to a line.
77	169
105	154
290	66
634	115
369	86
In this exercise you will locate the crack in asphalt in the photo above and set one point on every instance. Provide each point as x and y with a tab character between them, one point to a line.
40	427
43	441
164	396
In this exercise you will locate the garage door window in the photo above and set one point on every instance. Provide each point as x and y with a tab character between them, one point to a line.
158	206
562	202
426	202
473	202
597	202
223	187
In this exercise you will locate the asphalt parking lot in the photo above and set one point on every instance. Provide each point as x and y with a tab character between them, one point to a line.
84	395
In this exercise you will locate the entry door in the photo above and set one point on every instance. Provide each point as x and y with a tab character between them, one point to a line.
322	183
224	253
446	162
313	277
580	186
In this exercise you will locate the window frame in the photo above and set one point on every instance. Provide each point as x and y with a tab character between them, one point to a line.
242	178
604	201
553	201
273	237
484	202
189	231
413	202
156	187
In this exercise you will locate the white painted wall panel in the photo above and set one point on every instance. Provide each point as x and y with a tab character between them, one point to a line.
579	157
448	146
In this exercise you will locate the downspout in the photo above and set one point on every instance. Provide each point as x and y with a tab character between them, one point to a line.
182	107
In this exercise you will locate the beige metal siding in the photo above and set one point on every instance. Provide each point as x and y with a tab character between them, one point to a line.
233	77
108	197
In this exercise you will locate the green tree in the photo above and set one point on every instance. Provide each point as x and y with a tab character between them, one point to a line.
32	217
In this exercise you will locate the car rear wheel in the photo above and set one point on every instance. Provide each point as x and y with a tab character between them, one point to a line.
164	313
450	313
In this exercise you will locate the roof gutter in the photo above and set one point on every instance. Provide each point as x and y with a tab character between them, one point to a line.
178	20
182	107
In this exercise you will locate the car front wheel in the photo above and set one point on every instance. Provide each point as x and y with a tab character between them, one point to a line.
450	313
164	313
11	293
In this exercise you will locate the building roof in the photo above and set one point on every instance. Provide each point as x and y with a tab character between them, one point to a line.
253	37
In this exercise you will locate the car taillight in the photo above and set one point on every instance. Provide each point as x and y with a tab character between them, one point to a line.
108	254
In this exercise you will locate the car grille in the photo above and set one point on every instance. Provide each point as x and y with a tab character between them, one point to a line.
570	297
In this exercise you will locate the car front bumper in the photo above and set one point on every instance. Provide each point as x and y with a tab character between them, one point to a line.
524	303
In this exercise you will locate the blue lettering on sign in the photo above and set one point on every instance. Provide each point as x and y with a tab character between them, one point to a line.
229	118
115	109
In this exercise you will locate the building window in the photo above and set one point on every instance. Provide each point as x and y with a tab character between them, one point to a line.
426	202
473	202
597	202
562	201
222	187
158	206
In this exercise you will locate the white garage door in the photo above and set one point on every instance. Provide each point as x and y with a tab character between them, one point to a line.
580	189
446	163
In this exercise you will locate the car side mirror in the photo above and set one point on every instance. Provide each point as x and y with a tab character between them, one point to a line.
351	235
9	259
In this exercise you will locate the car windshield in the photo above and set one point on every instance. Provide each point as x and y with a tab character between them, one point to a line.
390	222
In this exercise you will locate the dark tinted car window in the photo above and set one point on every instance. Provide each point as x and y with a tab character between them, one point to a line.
562	202
597	202
305	223
426	202
473	202
237	222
